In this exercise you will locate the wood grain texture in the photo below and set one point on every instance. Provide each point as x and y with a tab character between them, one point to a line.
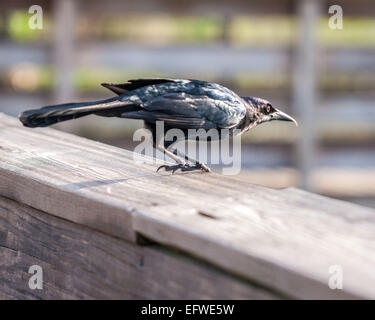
80	263
285	240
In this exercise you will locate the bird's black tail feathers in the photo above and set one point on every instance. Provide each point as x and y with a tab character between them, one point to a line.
49	115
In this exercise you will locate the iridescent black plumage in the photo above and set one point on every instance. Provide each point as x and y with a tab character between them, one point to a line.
182	104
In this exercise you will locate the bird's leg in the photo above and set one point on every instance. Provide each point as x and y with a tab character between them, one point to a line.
197	164
181	164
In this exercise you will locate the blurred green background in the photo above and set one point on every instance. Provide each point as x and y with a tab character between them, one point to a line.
253	47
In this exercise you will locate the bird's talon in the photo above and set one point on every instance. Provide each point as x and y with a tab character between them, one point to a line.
173	168
185	167
161	167
203	167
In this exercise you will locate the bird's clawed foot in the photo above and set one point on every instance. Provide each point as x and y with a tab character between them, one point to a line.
185	167
202	166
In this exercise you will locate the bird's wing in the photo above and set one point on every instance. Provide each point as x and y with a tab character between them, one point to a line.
181	122
133	84
190	111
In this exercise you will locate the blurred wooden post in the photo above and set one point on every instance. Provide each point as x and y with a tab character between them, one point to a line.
3	20
305	87
63	49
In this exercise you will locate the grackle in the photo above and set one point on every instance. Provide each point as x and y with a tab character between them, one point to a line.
182	104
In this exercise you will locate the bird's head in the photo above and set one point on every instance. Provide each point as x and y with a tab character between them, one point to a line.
262	111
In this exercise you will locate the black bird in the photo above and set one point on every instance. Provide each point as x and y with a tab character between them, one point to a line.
182	104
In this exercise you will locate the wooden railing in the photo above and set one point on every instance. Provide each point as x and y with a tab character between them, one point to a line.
101	225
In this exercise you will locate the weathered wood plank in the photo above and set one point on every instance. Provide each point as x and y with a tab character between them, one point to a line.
79	263
283	239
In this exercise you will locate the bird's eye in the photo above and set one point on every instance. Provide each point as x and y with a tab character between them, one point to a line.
268	109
